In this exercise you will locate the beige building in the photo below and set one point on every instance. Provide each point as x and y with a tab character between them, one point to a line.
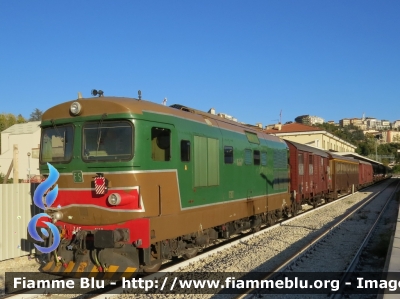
344	122
27	138
371	122
332	122
312	136
356	122
396	124
390	136
359	123
385	124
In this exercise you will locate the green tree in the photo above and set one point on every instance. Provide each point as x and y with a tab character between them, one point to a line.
21	119
36	115
396	138
349	133
363	149
2	176
396	169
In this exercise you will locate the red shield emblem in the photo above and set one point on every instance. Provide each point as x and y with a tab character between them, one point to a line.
100	185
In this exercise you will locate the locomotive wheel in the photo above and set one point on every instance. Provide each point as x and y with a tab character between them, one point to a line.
154	267
314	203
294	209
190	253
270	219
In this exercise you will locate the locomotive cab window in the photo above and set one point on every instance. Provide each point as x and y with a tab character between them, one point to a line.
228	154
185	150
107	141
56	144
160	144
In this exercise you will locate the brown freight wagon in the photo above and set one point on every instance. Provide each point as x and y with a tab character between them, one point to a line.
366	174
344	176
309	173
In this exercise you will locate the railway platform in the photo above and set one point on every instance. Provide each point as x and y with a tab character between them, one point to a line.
393	257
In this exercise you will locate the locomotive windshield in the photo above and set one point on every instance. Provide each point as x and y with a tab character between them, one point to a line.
56	144
107	141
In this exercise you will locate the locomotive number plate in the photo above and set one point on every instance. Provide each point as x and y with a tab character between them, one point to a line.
78	176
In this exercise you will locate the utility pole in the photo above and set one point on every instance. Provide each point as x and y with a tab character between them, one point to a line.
29	167
15	166
377	137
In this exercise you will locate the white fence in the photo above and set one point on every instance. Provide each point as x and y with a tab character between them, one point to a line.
16	209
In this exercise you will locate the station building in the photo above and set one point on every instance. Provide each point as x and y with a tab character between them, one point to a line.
309	135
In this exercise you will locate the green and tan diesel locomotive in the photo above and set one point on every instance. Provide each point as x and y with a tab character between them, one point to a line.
142	182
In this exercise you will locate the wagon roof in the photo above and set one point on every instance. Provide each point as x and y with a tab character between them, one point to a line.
307	148
358	157
293	127
339	157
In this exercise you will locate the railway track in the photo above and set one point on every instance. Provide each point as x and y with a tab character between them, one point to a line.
227	257
337	252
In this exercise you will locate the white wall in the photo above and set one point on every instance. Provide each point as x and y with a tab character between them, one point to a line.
25	144
16	210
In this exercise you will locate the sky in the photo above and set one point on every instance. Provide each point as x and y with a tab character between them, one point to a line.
259	61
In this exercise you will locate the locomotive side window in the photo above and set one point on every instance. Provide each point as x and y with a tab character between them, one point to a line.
108	141
280	158
160	144
247	156
263	158
228	154
56	144
256	157
185	150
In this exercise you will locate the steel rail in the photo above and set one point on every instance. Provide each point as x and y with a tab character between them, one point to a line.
353	263
253	291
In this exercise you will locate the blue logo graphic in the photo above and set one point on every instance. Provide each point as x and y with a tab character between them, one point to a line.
38	201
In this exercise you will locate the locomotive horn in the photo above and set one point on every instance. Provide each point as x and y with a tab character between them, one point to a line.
97	92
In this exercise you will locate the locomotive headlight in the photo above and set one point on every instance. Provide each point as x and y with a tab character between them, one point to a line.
57	215
114	199
75	108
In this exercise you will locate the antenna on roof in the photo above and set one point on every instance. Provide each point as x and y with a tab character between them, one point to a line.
139	94
280	117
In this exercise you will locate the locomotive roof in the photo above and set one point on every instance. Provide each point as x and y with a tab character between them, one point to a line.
307	148
98	106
